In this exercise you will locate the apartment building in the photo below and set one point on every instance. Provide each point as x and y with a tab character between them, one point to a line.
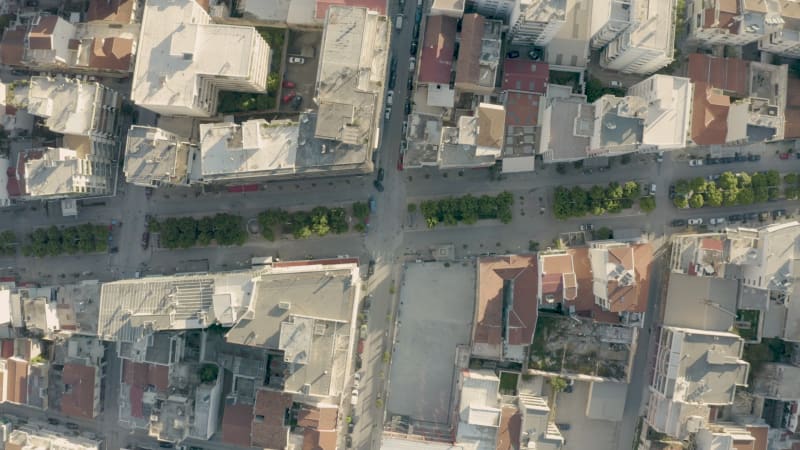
783	28
156	157
646	47
609	19
495	9
184	60
536	22
726	22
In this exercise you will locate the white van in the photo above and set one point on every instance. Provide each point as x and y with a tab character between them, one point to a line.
399	22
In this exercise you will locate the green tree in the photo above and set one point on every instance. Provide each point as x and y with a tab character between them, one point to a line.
730	197
745	196
205	230
760	194
727	180
603	233
773	178
468	209
647	204
360	210
744	180
790	178
713	196
631	189
337	219
682	187
696	201
698	185
558	384
680	201
412	208
209	373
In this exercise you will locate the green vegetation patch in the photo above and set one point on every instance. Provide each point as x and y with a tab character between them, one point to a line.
730	189
597	200
54	241
467	209
303	224
186	232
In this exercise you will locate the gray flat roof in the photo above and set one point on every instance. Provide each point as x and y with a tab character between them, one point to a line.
571	125
703	303
154	156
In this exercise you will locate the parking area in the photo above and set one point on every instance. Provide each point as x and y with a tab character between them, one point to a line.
584	432
300	77
436	301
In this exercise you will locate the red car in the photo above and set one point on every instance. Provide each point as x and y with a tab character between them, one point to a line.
288	84
784	156
288	97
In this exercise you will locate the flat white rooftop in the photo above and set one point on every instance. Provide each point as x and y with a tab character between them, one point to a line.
178	44
68	106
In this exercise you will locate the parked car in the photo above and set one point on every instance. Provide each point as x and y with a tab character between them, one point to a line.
653	189
381	173
296	60
414	45
740	158
408	107
563	426
378	185
387	113
695	162
389	97
289	96
660	157
348	441
587	227
677	223
72	426
392	80
410	84
512	54
164	444
784	156
288	84
751	216
297	101
764	215
53	421
615	84
717	221
714	177
696	221
735	218
412	63
534	55
371	268
671	191
372	204
405	127
145	240
752	157
778	213
797	155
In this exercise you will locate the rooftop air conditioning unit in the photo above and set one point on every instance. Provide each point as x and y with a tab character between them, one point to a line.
284	305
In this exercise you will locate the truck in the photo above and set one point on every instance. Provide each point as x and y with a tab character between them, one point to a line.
399	22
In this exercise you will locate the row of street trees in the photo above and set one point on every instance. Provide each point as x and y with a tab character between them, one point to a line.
597	200
467	209
54	241
729	190
8	243
185	232
302	224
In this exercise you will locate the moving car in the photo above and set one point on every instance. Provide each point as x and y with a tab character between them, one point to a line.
696	221
296	60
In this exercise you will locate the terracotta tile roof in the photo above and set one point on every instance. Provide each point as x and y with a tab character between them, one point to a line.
491	125
236	420
145	374
120	11
729	6
40	36
492	274
468	68
558	277
319	440
524	75
711	244
584	301
12	46
438	45
78	399
509	431
522	109
761	434
633	297
8	348
372	5
269	413
728	74
111	54
322	417
709	115
17	370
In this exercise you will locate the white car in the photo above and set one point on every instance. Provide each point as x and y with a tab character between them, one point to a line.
389	97
695	162
412	62
717	221
387	113
697	221
356	379
615	84
296	60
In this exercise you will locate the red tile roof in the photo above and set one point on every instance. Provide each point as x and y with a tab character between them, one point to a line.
40	36
492	274
268	428
760	433
320	417
119	11
372	5
522	108
8	348
145	374
524	75
709	115
236	420
468	68
79	385
111	54
711	244
137	405
12	46
728	74
319	440
438	46
585	302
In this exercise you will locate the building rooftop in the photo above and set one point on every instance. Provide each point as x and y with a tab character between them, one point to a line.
702	303
479	52
12	46
52	172
112	53
479	409
669	102
707	366
438	48
776	381
709	115
650	33
522	75
156	157
79	391
557	280
322	6
68	106
33	437
606	401
522	119
491	128
507	282
350	76
571	126
119	11
180	49
131	309
237	420
424	136
621	276
727	74
448	6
